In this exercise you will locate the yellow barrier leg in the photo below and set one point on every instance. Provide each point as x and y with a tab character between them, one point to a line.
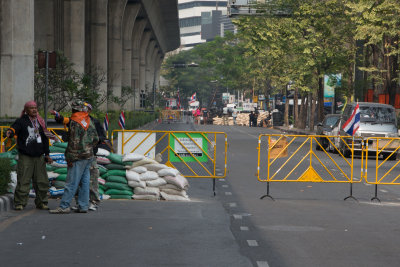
351	180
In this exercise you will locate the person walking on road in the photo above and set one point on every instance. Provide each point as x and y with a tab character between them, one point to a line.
225	115
94	196
234	115
251	118
33	153
82	138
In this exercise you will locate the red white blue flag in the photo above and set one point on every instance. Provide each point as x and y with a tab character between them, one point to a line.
179	101
353	123
106	122
193	98
121	121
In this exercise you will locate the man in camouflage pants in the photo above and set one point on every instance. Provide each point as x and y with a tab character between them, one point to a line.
82	138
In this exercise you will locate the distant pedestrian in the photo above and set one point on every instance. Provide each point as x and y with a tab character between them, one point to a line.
33	153
225	115
234	115
251	118
255	116
82	138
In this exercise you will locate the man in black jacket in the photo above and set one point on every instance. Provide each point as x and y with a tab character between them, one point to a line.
33	148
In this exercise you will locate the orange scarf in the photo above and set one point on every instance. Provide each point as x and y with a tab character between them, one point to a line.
82	118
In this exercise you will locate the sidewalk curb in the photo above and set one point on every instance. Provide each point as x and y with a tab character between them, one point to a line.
6	203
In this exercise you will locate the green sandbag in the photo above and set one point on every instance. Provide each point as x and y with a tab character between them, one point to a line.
59	184
62	145
114	166
102	169
119	192
112	185
56	149
61	170
50	168
117	179
120	197
128	163
114	172
13	162
9	155
115	158
61	177
102	187
101	191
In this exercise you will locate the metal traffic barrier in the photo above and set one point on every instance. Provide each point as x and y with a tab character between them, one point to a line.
7	144
381	158
277	154
171	115
194	154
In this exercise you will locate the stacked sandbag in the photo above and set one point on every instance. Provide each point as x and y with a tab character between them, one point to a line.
147	178
57	170
242	119
116	184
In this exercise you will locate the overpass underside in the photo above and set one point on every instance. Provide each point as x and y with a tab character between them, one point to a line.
125	40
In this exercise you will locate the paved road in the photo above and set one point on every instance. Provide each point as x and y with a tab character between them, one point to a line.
307	224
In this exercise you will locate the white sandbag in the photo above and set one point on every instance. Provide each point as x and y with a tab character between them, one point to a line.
132	157
139	169
13	182
147	191
175	192
178	180
105	197
145	197
132	176
169	186
148	176
155	167
52	175
168	172
134	184
102	152
103	160
156	183
58	165
143	162
169	197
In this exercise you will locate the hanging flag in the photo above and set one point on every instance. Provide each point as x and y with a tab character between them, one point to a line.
353	123
193	98
106	122
121	121
179	101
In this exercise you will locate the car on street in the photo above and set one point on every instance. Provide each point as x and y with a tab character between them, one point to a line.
325	127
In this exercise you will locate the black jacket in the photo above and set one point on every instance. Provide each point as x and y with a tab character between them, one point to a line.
26	141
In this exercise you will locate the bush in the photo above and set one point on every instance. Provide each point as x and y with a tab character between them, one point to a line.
5	172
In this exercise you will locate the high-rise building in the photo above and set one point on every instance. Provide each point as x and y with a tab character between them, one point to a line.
196	17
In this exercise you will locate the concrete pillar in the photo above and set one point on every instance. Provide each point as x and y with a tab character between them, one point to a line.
142	65
149	78
152	63
44	25
17	57
96	53
74	33
137	34
128	23
116	9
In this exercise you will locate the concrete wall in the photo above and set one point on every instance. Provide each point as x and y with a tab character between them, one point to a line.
120	38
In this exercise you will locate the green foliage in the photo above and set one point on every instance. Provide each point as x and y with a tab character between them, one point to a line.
5	171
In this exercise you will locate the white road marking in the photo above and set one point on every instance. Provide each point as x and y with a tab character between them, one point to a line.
221	180
262	264
232	205
244	228
383	190
225	185
252	243
237	216
228	193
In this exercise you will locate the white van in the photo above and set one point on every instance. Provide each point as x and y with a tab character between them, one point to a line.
376	120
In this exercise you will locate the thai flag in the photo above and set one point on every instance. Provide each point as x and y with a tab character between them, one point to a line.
121	121
179	101
106	123
193	98
353	123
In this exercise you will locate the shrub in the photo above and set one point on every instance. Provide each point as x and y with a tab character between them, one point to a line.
5	171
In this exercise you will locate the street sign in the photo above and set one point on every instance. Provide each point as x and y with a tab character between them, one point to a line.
182	145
